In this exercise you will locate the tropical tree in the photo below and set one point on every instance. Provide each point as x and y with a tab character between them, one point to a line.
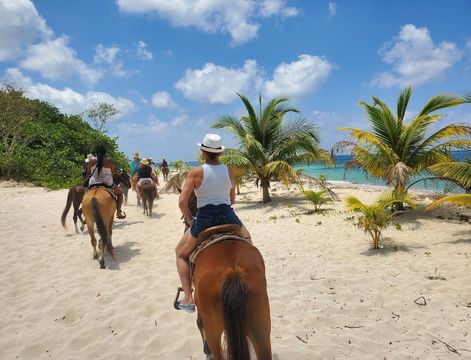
268	145
375	217
100	113
459	173
177	164
396	151
17	120
317	198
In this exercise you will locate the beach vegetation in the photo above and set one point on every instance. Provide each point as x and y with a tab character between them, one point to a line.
177	164
460	174
376	217
100	113
396	151
43	146
317	198
270	145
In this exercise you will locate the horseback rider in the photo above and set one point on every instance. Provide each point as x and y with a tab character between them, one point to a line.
101	170
213	184
135	164
145	173
164	168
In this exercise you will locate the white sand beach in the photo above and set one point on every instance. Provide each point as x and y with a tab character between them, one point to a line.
331	296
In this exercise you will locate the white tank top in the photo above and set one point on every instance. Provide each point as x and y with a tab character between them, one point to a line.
215	187
105	176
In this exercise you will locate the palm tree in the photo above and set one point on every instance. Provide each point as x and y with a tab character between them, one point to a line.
317	198
459	173
396	151
374	218
268	146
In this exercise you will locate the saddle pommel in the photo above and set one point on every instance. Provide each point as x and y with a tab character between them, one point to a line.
220	229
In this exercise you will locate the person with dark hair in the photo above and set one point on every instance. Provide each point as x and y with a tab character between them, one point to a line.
213	184
146	173
101	170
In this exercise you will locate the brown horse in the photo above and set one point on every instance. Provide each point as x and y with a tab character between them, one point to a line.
165	171
99	206
148	195
76	193
134	181
123	180
231	298
74	197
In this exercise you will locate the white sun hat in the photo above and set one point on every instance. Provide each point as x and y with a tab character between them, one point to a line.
212	143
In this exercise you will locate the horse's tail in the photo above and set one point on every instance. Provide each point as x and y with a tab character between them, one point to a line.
234	296
100	224
70	196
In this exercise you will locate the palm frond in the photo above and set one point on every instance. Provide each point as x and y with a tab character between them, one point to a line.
456	199
459	172
442	101
402	103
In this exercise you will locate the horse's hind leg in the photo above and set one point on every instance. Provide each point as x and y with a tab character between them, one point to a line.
206	350
91	232
102	254
79	214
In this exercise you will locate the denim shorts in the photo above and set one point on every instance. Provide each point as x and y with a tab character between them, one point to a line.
213	215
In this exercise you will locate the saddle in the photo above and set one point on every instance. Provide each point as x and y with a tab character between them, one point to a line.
214	235
207	238
104	187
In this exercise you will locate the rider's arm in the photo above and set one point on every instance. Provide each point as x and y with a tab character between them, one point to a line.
232	192
188	187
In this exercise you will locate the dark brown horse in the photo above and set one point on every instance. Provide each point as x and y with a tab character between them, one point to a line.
99	206
165	171
148	195
74	197
123	180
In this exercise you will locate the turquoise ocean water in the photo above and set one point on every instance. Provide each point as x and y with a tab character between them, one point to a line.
338	173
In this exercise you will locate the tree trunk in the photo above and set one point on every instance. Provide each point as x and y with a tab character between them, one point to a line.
265	184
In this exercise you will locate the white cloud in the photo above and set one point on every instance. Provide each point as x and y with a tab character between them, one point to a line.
217	84
275	7
55	60
106	55
235	17
468	46
163	100
20	26
298	77
415	58
142	52
67	100
332	9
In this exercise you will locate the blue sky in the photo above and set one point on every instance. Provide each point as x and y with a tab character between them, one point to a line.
173	67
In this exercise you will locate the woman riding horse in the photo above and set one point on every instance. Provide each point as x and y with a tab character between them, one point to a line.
229	276
215	195
101	171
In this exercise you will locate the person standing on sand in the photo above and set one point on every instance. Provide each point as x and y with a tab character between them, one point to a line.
213	184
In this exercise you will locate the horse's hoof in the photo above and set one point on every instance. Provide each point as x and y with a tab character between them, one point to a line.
95	256
102	264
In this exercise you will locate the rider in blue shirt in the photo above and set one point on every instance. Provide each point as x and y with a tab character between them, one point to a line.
135	164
